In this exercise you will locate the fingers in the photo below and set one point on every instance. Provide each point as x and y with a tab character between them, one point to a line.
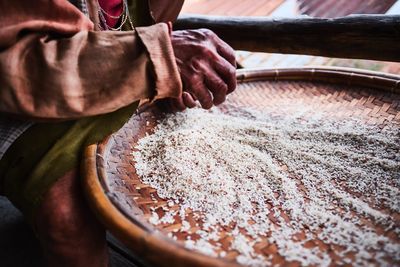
227	57
188	100
227	73
227	52
198	89
213	83
177	104
217	86
204	96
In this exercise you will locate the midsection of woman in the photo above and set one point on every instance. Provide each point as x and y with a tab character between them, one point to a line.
57	72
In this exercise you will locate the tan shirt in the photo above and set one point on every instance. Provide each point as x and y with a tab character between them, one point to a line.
55	64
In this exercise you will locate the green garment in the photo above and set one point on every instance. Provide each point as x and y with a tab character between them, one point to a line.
47	151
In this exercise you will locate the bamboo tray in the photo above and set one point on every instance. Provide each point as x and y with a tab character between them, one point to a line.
122	202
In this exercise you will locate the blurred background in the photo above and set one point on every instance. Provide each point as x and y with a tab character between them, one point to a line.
295	8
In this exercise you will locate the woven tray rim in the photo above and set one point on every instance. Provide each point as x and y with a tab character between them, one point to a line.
156	247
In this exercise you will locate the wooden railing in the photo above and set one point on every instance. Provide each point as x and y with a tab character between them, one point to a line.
357	36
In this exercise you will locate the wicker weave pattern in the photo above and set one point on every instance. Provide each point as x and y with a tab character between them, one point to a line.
136	200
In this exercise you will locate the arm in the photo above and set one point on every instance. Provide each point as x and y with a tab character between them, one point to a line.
53	66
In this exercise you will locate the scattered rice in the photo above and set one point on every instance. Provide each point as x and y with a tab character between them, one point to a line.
248	169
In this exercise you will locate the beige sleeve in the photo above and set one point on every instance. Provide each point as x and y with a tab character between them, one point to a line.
88	73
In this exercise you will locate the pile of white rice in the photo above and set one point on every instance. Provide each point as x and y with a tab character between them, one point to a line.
337	180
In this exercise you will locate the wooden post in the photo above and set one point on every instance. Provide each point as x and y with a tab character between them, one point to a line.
357	36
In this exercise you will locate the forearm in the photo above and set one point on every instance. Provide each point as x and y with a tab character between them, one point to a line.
90	73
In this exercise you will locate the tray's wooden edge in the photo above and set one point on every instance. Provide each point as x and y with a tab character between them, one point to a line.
155	247
347	76
152	246
101	155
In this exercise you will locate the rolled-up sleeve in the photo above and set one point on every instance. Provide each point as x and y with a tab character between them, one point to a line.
167	79
50	74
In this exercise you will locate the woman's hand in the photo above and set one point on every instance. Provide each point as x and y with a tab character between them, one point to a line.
207	67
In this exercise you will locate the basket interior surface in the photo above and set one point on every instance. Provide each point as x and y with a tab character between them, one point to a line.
137	201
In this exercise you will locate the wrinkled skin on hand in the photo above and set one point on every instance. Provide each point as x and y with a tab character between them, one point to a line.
207	67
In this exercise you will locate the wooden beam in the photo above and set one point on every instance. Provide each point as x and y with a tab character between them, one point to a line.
356	36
